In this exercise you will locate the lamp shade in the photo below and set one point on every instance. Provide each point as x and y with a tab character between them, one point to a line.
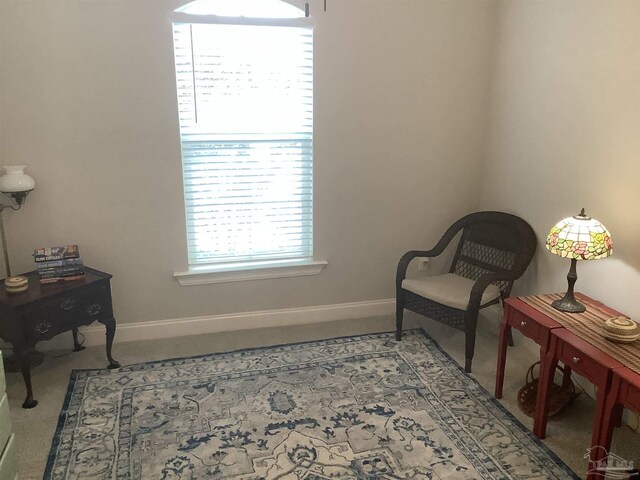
15	180
581	238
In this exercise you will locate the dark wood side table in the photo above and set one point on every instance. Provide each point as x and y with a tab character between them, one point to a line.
44	311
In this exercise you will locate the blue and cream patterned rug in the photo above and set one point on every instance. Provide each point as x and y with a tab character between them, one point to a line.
364	407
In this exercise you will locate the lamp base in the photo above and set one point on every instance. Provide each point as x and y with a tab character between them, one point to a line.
568	304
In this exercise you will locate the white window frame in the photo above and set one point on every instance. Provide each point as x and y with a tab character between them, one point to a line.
255	270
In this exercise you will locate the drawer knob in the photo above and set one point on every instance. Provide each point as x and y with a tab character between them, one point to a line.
94	309
68	304
42	327
523	323
575	359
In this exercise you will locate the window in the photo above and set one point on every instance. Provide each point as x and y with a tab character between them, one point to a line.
244	77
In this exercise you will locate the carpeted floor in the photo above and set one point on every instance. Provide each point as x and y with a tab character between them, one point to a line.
568	434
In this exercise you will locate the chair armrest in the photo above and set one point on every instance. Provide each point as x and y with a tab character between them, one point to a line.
403	264
482	283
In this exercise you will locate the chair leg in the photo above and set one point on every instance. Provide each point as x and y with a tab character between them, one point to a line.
510	339
470	346
399	315
467	364
469	340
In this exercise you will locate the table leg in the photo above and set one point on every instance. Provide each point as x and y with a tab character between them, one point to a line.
22	355
505	331
598	455
76	345
548	363
611	416
600	418
566	377
110	325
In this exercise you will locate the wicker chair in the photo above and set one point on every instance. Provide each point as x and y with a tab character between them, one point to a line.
495	249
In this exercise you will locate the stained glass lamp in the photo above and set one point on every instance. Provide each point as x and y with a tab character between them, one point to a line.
579	238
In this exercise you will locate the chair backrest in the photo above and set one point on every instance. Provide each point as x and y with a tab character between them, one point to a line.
493	242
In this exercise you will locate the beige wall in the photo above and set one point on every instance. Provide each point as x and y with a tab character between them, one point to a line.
565	133
88	103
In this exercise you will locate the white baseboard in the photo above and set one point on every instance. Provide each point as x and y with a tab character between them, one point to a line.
172	328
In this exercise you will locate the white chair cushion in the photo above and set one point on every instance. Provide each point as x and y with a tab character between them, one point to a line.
449	289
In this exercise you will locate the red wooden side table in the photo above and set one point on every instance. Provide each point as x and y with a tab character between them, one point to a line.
558	343
530	322
586	360
624	393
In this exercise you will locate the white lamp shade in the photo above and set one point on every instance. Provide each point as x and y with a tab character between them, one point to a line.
15	180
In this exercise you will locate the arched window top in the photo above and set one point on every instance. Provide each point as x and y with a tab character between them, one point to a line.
243	8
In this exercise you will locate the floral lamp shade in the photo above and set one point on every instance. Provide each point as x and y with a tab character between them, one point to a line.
580	238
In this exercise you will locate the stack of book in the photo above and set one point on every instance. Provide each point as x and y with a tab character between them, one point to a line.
58	264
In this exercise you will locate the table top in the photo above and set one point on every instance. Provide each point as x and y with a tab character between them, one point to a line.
38	291
594	307
587	326
532	313
628	375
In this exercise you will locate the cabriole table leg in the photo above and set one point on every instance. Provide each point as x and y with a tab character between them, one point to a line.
22	354
110	325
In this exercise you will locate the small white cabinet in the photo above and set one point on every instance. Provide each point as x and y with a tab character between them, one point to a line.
8	465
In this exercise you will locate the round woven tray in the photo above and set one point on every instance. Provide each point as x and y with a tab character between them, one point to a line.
559	396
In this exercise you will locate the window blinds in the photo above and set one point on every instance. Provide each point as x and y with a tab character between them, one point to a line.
245	104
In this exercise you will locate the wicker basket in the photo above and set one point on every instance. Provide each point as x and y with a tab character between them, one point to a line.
559	397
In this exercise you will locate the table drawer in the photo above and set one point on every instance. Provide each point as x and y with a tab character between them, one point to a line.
8	461
581	363
68	311
72	302
524	324
632	398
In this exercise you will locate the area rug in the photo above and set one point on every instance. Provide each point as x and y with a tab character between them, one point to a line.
363	407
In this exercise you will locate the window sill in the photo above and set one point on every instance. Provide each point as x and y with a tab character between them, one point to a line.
243	272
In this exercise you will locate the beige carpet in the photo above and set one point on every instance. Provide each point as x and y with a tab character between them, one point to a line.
569	434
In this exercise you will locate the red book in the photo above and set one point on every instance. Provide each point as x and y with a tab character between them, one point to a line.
61	279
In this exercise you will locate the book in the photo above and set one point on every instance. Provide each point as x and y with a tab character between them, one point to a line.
60	269
56	253
65	273
68	262
41	267
61	279
56	271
